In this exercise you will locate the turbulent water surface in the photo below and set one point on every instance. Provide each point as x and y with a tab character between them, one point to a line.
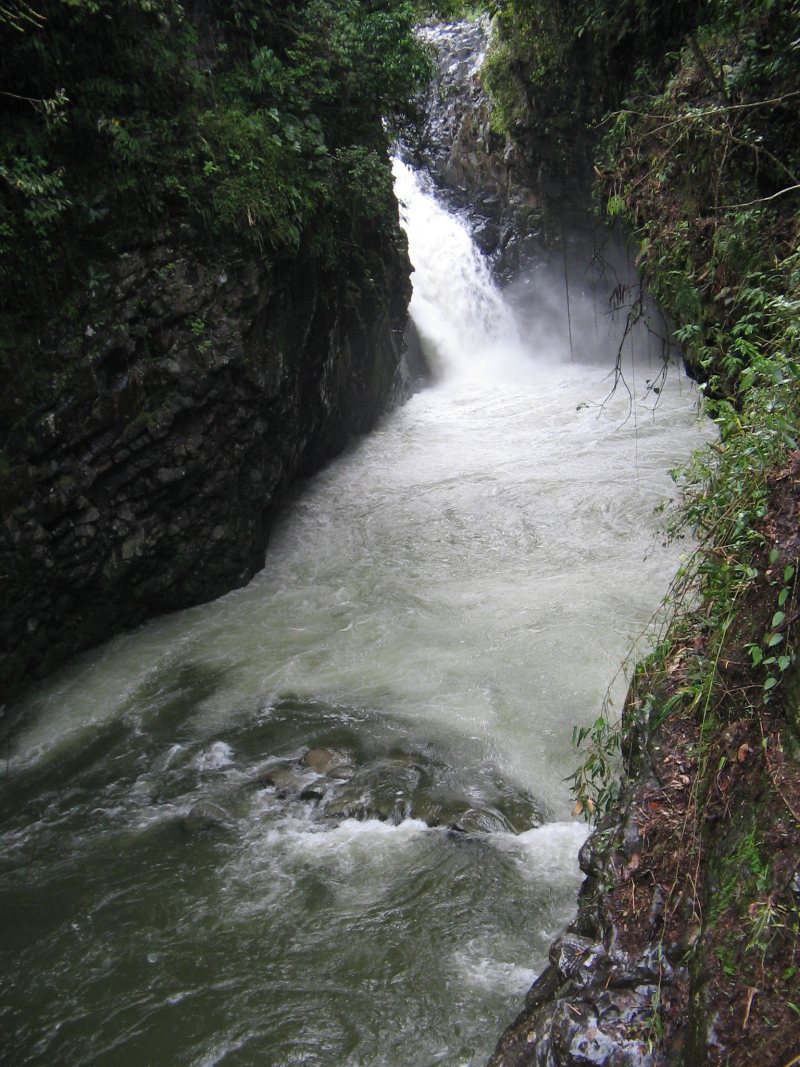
182	882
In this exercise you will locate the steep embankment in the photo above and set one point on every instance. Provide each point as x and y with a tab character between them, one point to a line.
204	287
686	946
147	482
520	202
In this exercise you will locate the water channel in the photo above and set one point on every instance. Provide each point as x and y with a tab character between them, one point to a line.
323	820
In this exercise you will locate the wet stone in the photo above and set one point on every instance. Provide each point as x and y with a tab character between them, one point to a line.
344	772
576	957
205	816
325	760
480	821
283	777
313	793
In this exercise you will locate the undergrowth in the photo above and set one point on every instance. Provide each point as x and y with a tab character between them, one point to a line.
690	114
703	173
724	491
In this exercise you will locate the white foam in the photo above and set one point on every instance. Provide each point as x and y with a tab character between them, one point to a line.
491	974
214	758
548	852
467	331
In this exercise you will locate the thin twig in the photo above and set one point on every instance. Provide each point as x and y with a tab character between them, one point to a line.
761	200
751	992
698	114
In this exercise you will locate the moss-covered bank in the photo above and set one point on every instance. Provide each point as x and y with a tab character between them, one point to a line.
686	947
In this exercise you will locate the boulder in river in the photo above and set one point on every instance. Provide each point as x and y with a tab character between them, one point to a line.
206	815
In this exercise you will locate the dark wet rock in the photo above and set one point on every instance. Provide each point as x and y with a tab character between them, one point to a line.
401	787
478	170
588	1007
353	804
197	386
206	815
362	798
480	821
326	761
518	807
285	777
349	764
507	808
314	793
419	370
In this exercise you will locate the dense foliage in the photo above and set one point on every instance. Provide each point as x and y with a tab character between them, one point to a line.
557	67
688	118
254	122
697	108
705	172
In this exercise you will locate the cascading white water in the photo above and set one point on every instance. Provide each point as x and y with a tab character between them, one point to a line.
463	322
438	608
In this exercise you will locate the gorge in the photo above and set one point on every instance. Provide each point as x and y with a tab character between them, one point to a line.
324	819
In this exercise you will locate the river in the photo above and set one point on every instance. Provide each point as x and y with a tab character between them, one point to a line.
183	882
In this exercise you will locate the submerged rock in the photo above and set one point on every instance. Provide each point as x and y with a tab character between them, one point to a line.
481	821
207	815
349	774
286	778
328	761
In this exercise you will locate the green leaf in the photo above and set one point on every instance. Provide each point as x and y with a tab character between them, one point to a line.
777	619
774	639
784	662
615	206
782	597
770	684
788	573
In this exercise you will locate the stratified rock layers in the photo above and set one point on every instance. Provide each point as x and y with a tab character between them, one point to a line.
196	387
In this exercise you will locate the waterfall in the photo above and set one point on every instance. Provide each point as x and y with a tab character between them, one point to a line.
464	324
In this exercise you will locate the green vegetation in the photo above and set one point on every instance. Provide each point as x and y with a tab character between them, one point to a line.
688	118
449	9
698	170
256	124
232	115
557	67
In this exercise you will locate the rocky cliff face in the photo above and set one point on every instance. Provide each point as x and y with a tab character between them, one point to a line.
477	169
533	222
520	215
196	387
